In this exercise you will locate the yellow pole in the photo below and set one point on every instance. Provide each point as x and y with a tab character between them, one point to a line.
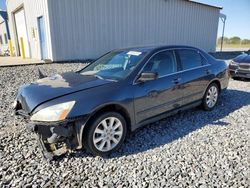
22	48
11	48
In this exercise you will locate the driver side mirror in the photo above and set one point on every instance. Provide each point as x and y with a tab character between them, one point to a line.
147	76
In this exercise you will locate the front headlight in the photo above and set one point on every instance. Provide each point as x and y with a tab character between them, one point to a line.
53	113
234	63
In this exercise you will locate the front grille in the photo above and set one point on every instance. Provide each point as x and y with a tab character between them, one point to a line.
243	66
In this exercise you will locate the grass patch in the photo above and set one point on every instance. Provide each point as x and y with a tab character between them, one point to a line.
235	46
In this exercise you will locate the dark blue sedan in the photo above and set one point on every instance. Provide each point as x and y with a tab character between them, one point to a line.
96	107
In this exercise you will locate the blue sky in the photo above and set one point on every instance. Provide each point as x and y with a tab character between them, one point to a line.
238	16
2	4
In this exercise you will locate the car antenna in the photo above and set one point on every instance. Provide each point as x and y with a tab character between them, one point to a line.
41	73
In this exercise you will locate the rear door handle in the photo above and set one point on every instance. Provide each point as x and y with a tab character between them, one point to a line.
176	81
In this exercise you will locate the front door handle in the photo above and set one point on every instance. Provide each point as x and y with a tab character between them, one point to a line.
153	94
176	81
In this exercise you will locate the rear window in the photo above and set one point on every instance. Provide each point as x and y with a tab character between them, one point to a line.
190	59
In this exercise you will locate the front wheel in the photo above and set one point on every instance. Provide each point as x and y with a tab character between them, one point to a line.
211	96
105	134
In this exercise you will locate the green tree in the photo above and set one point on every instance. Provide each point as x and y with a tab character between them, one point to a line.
234	40
225	40
245	41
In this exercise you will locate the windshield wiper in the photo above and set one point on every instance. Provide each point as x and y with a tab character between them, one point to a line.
99	77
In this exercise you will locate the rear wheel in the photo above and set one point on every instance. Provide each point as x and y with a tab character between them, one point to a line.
105	134
211	96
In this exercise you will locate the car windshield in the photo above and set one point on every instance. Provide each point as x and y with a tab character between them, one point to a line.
114	65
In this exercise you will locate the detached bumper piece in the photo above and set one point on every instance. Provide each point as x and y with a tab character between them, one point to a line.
55	140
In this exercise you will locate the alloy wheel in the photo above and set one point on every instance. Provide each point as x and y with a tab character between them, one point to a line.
108	134
212	96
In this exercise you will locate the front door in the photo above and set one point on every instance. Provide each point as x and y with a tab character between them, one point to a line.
42	37
155	97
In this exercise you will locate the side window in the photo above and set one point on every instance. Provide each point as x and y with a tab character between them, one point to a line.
163	63
190	59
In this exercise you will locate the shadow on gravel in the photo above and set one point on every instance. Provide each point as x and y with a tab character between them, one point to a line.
180	125
242	79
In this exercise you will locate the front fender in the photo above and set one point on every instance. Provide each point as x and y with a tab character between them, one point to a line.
89	101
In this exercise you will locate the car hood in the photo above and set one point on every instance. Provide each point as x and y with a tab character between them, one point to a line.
34	94
244	58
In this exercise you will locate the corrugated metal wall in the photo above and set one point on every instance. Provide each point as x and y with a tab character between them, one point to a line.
3	31
33	9
86	29
81	29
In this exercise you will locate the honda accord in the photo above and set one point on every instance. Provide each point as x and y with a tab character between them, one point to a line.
96	107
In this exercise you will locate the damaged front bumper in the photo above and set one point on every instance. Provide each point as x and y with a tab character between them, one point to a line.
57	138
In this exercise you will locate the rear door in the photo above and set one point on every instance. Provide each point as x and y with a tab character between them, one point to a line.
196	74
155	97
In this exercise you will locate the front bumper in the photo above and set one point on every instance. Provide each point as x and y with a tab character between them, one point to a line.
237	72
56	138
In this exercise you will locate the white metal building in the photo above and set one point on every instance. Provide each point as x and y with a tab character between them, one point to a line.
85	29
4	32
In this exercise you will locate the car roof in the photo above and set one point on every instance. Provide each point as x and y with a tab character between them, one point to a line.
154	48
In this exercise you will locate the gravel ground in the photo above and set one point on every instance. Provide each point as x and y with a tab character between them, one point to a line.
191	149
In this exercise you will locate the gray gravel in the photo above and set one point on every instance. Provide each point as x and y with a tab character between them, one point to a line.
191	149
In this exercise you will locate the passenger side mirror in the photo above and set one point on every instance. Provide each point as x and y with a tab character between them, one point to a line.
147	76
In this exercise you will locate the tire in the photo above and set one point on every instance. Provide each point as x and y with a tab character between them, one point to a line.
208	103
98	132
